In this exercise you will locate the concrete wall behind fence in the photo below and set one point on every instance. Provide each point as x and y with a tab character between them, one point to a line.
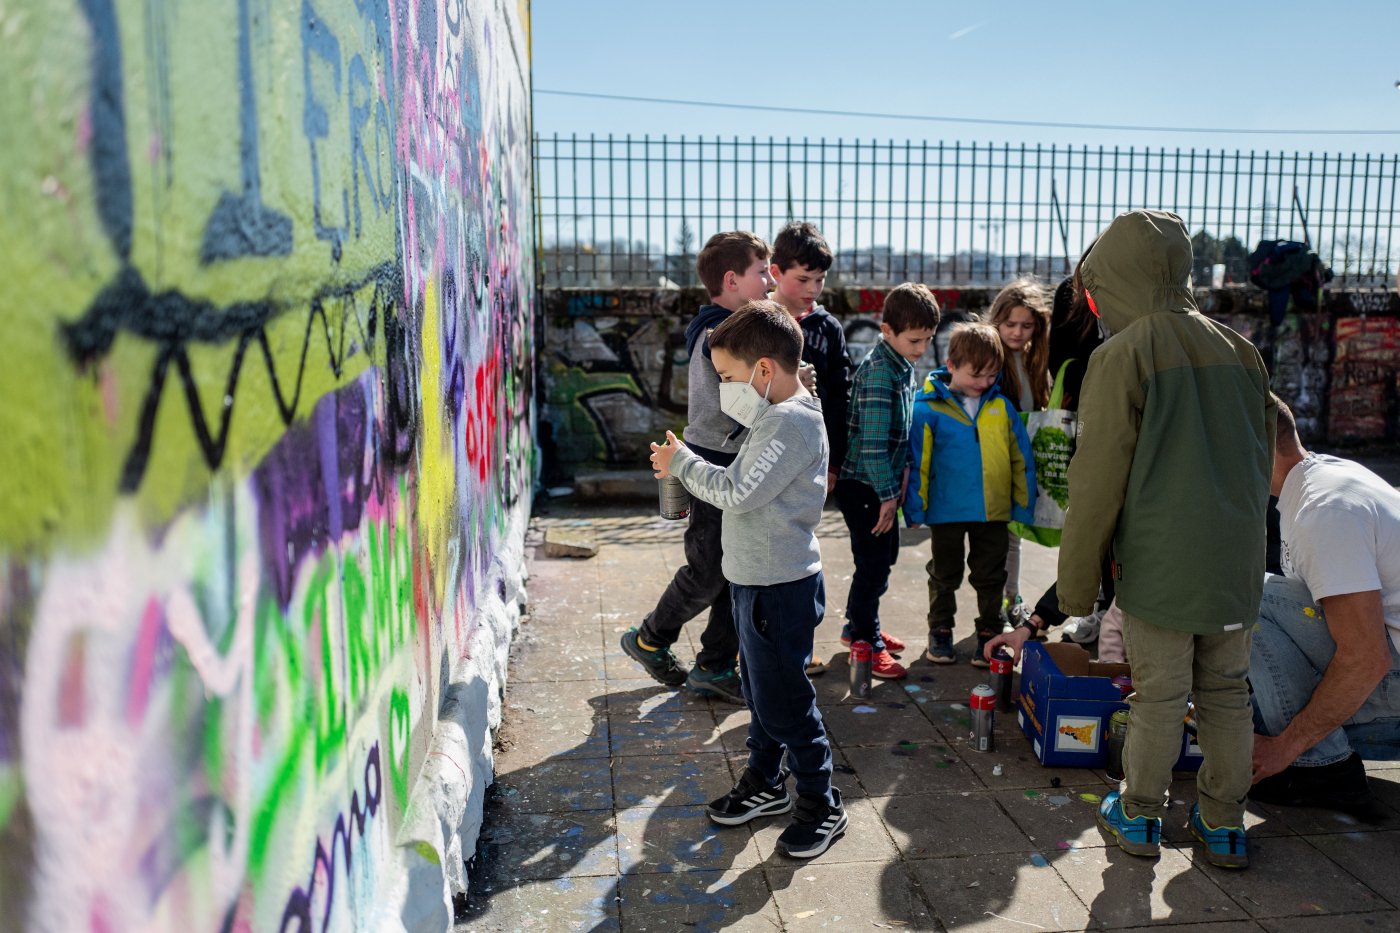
615	364
267	450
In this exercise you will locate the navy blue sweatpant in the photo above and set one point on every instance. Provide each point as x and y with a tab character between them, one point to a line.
775	625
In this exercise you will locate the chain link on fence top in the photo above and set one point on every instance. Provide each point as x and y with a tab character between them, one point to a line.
635	211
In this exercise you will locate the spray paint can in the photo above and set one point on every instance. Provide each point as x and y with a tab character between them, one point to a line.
675	500
862	656
983	707
1117	736
1002	678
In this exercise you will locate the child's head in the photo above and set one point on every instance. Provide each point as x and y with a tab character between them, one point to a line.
974	359
1020	315
756	343
909	320
801	258
734	266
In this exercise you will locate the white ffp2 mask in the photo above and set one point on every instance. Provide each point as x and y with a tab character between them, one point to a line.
741	401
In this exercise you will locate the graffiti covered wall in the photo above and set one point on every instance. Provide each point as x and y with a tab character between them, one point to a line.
616	366
267	450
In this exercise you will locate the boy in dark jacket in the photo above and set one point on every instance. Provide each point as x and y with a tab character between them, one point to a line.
733	267
801	258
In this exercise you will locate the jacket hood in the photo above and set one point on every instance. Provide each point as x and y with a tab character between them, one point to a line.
1140	265
705	319
937	386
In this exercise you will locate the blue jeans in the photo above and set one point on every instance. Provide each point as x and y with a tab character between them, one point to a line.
873	554
775	626
1292	648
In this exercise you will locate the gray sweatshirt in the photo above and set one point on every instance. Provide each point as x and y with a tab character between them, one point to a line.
771	495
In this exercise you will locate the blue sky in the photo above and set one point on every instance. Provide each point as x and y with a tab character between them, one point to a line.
1221	64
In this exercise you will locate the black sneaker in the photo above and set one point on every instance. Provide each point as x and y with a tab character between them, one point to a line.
659	663
1340	786
979	657
722	685
940	647
750	799
815	826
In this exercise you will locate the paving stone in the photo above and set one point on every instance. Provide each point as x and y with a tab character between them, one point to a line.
992	894
865	840
1123	890
564	784
910	768
698	900
1371	857
1289	877
665	734
670	839
1232	926
570	542
534	846
942	825
678	779
547	906
1345	923
1059	818
551	663
640	696
878	724
561	737
821	895
1019	767
562	698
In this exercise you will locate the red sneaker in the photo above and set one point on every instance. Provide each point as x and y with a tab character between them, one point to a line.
885	667
892	644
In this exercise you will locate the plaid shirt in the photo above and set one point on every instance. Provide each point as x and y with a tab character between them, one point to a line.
882	405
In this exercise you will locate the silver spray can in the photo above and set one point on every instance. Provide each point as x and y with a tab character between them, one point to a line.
983	708
675	500
862	656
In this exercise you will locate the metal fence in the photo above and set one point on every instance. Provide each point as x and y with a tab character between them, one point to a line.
635	211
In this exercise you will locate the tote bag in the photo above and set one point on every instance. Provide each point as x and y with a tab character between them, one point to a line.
1052	444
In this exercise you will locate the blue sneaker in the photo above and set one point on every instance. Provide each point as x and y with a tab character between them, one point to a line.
722	685
940	647
1138	835
1225	845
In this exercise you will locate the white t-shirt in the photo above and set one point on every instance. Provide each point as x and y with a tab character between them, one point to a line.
1340	525
969	404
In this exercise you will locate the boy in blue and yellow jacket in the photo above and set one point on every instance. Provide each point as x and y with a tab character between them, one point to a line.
975	473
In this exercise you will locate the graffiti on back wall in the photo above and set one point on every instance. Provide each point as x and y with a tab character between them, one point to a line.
616	362
272	447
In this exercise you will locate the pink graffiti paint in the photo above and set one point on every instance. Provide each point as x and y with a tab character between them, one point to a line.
143	663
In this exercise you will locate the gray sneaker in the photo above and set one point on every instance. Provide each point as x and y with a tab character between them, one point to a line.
722	685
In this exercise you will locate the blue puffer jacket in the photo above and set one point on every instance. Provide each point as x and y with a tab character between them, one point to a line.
968	470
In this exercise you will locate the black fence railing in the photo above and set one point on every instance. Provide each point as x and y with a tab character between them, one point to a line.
634	211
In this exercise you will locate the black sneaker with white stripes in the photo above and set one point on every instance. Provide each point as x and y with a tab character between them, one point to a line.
815	826
750	799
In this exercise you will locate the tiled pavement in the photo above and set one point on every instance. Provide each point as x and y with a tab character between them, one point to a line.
595	820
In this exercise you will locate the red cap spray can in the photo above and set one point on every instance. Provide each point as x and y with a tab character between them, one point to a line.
983	708
862	657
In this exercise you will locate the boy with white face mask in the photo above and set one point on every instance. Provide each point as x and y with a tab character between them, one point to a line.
771	497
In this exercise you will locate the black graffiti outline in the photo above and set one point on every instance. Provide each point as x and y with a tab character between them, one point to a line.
298	906
174	322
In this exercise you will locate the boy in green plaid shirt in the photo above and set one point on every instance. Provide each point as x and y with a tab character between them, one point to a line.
873	477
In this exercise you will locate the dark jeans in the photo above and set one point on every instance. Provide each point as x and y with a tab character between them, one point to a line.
697	586
986	565
874	556
775	637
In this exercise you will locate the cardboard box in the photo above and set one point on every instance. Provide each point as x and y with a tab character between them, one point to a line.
1065	704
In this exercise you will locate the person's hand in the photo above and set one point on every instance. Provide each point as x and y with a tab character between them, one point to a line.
1271	755
661	455
830	480
886	520
1015	640
807	373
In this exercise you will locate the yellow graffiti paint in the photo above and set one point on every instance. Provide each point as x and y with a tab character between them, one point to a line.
437	477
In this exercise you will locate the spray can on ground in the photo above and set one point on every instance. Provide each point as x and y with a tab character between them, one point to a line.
1117	736
675	500
1002	678
983	708
862	656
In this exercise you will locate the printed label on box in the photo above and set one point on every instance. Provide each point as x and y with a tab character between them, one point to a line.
1076	734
